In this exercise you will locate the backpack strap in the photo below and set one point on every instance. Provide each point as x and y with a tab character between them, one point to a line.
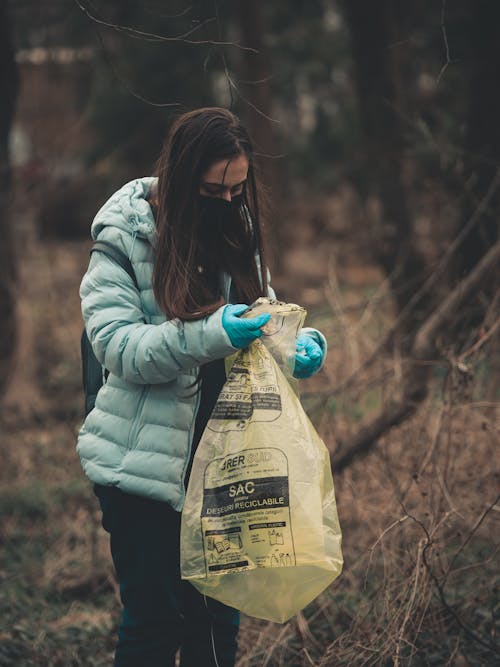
95	375
119	257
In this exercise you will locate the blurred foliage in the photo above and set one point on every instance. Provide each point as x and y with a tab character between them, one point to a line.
138	81
135	79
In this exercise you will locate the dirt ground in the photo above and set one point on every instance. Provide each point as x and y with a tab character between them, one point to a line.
419	515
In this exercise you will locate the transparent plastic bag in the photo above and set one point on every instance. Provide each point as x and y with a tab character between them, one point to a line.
260	530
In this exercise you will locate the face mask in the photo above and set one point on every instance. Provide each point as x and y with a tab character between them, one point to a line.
226	240
215	211
221	221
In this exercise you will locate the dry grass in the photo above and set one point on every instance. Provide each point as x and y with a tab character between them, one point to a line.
420	531
419	514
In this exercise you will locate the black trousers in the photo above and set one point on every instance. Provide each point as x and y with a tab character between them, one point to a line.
161	613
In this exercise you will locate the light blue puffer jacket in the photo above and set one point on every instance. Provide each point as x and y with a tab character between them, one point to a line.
138	436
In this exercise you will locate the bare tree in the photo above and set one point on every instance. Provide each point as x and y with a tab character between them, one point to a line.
416	370
255	90
378	81
482	141
9	83
466	316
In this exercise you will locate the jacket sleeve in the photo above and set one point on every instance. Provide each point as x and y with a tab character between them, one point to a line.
129	347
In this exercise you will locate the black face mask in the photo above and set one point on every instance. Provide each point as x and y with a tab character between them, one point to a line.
216	212
228	242
222	223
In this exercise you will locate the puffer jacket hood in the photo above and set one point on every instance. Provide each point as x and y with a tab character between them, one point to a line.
138	436
128	210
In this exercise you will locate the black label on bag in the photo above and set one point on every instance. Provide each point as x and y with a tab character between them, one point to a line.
250	393
232	407
245	515
246	495
224	567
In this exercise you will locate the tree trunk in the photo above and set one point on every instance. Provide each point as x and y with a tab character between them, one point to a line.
414	384
482	143
372	30
256	110
481	162
9	83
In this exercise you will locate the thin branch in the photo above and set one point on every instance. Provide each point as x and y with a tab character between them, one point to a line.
471	633
429	542
446	45
150	36
450	251
331	292
490	507
168	16
233	86
414	387
124	82
247	101
428	284
480	342
449	60
223	55
400	638
394	414
423	346
256	81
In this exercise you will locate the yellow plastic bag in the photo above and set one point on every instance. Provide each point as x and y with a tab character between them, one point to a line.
259	528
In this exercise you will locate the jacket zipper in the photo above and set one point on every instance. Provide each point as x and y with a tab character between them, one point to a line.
227	290
133	428
190	441
227	287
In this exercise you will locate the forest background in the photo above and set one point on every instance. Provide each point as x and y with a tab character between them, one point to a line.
378	133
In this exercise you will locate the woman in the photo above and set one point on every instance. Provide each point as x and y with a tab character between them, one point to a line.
194	237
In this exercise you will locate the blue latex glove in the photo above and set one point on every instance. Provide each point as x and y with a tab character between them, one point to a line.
242	332
308	357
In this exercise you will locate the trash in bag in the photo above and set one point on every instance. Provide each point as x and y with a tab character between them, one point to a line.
260	530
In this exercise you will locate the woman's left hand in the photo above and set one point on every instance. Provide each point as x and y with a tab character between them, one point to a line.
308	357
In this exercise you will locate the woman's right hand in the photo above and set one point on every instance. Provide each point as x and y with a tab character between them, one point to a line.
242	332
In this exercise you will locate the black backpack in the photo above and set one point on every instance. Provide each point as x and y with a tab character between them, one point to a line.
95	375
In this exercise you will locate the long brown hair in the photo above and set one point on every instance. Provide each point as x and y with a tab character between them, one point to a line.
195	141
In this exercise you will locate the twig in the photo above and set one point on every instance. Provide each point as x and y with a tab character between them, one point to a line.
481	563
305	632
168	16
439	588
377	541
473	635
428	284
125	83
250	104
469	537
481	341
411	601
445	491
447	308
331	293
151	36
384	533
415	381
277	641
446	45
451	659
306	653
